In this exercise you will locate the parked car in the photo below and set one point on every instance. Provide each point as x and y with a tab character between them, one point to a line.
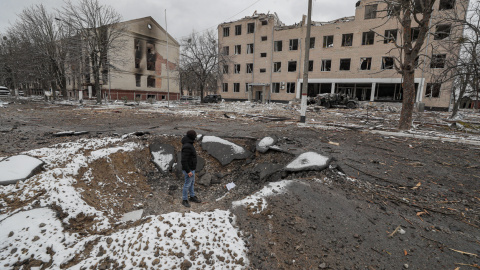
212	99
4	92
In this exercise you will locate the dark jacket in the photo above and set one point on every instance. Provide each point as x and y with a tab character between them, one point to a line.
189	155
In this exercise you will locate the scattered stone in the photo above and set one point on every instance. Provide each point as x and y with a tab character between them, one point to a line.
186	264
264	144
205	180
267	169
322	266
405	266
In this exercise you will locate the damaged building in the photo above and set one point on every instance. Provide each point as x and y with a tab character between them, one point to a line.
354	55
140	68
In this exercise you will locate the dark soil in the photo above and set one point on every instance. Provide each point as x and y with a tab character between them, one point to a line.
385	203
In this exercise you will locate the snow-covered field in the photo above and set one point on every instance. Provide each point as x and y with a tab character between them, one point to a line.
32	229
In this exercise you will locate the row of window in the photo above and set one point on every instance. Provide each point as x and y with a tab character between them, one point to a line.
368	38
370	13
151	81
238	29
432	90
276	87
394	8
437	61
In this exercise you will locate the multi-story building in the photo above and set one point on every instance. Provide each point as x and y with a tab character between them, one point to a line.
352	54
139	64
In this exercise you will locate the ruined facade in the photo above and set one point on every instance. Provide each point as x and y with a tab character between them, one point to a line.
138	65
351	54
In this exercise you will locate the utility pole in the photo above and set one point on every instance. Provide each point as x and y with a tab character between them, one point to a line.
168	76
304	92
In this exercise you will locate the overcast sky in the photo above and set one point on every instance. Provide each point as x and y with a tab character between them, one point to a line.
185	16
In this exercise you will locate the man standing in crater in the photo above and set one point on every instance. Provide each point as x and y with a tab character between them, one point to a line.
189	163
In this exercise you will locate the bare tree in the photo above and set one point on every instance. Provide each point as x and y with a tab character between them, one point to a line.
408	12
99	28
200	60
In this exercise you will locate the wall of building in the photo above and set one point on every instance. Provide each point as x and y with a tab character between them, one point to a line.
375	77
133	44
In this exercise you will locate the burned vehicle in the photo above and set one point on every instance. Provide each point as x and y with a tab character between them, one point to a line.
334	99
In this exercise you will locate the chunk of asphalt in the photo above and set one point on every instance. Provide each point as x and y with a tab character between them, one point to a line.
309	161
224	151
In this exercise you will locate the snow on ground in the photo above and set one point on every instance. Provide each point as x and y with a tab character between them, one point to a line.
34	231
257	202
235	148
162	160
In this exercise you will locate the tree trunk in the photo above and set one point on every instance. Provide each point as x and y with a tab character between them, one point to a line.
406	115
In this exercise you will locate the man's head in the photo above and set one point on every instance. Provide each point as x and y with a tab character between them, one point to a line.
192	134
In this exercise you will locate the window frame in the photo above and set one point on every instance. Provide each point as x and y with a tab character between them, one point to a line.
249	30
343	61
250	48
226	31
277	48
275	88
323	67
345	42
325	41
238	50
293	44
288	66
277	67
438	61
224	87
236	87
389	39
370	12
369	63
290	85
238	30
384	65
368	38
433	88
236	68
249	68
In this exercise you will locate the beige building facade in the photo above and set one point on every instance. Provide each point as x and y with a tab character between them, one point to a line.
141	65
354	55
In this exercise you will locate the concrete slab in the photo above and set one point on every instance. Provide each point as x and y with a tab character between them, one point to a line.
132	216
309	161
18	168
163	156
223	150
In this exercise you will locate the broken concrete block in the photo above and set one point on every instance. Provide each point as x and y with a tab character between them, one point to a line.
267	169
205	180
18	168
309	161
162	156
264	144
223	150
132	216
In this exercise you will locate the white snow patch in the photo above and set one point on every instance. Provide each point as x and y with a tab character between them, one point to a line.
132	216
265	142
308	159
257	202
162	160
235	148
17	167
